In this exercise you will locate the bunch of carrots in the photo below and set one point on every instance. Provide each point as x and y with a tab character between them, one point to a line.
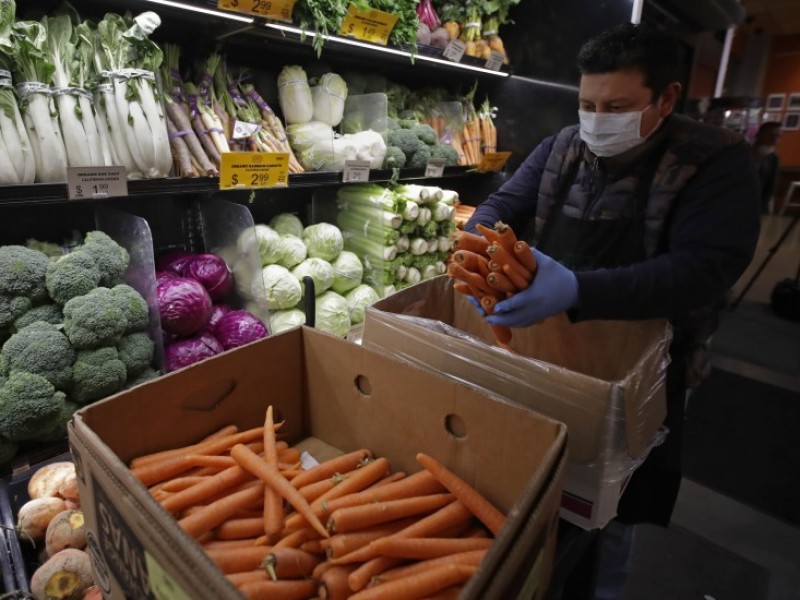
346	528
491	267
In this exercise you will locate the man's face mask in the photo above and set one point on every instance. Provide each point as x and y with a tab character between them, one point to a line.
609	134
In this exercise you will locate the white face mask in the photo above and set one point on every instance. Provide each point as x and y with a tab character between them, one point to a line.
609	134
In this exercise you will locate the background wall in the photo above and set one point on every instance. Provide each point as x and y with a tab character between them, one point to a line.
783	77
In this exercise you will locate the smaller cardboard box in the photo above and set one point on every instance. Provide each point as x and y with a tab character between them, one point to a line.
334	396
603	379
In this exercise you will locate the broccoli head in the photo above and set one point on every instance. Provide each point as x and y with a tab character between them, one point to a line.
425	133
406	140
420	158
72	275
22	272
136	352
42	349
59	429
143	377
29	405
447	152
392	124
8	450
47	313
96	374
111	258
133	305
394	159
12	308
94	319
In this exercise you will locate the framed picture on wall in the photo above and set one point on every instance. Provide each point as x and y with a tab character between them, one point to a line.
773	116
791	121
775	101
794	101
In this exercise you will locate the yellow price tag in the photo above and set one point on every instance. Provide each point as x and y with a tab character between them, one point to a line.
248	170
277	10
161	584
493	161
370	25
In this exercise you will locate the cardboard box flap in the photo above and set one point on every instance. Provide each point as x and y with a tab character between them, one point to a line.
375	405
570	372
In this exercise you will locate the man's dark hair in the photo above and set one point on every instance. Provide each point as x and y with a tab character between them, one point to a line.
653	51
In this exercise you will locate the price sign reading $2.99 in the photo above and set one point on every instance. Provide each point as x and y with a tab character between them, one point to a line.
277	10
249	170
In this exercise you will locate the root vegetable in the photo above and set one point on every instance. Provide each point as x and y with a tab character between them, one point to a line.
66	530
440	38
453	29
68	490
35	515
48	479
92	593
65	576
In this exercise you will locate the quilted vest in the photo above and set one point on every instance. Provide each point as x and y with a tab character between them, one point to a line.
685	145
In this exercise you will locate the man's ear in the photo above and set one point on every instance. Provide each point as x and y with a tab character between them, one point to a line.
670	98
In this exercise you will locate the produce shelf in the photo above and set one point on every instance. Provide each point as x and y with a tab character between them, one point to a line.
56	193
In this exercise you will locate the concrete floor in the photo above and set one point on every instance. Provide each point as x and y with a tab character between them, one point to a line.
749	533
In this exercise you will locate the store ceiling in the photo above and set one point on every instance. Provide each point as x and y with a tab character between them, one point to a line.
775	17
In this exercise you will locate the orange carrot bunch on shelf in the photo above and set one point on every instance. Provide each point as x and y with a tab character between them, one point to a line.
491	267
346	528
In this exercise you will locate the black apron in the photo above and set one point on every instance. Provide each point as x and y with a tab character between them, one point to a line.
584	244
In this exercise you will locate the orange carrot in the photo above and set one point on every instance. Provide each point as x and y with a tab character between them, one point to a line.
273	503
360	578
293	589
295	539
463	240
488	233
222	544
500	282
519	282
237	529
523	253
312	491
218	512
181	483
359	517
270	476
313	546
237	560
215	462
321	569
342	544
333	584
418	586
392	478
503	257
474	280
216	484
155	456
469	260
239	579
329	468
425	548
463	288
468	495
356	481
289	455
472	558
169	467
505	236
451	593
289	563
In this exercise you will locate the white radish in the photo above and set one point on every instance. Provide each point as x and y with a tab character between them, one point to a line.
158	125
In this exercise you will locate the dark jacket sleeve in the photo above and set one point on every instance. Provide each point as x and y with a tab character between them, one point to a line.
515	201
711	237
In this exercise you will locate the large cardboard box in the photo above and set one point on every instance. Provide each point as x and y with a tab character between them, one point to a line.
603	379
334	396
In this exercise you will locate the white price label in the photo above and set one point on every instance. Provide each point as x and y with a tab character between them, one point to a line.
356	171
495	62
242	130
435	167
94	183
455	50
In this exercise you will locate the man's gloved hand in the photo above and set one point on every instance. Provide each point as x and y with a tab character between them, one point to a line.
476	303
554	290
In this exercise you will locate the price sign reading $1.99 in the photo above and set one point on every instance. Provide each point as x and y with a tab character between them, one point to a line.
249	170
277	10
96	182
370	25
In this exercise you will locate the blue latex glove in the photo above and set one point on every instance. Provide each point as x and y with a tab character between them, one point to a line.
554	290
476	303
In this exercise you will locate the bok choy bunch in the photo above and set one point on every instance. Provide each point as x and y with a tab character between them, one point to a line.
128	59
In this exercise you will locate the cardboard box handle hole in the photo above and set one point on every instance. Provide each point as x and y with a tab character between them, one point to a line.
363	385
455	426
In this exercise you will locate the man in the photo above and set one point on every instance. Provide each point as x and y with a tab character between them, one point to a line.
767	161
638	213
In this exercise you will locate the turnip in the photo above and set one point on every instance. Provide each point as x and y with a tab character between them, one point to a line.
65	576
423	34
92	593
440	37
35	515
47	480
68	490
66	530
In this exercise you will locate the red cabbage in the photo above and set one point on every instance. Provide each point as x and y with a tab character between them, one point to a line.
212	272
162	276
174	261
239	327
182	353
219	311
184	306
